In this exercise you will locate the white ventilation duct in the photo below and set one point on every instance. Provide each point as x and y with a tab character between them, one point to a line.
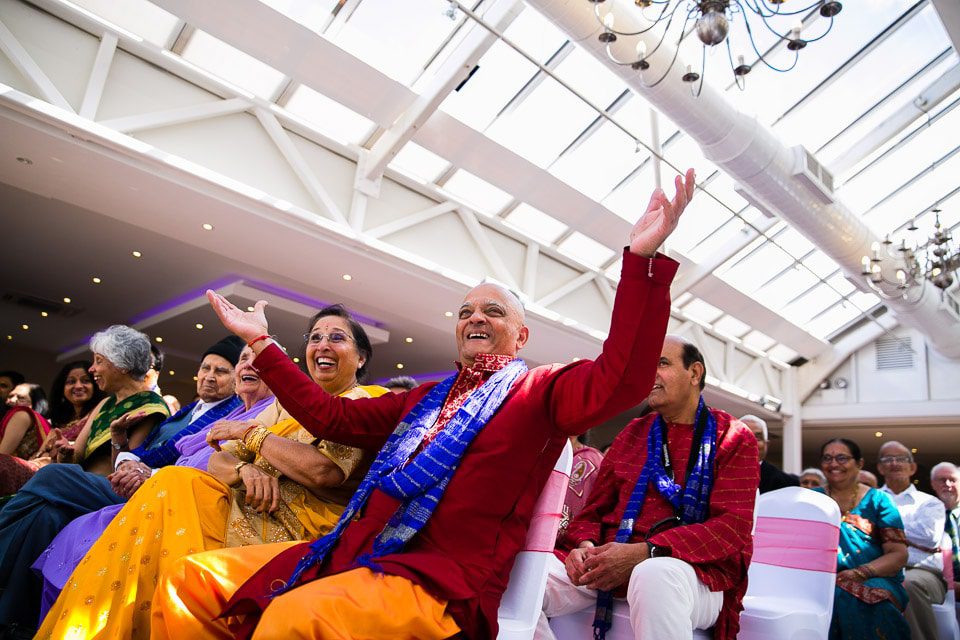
754	157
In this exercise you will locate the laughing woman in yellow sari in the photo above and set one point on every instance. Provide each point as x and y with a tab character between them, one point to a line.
267	484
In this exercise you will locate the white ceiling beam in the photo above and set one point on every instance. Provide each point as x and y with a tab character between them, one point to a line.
178	115
30	70
295	159
926	100
566	288
412	219
949	13
722	295
530	259
487	250
453	71
871	414
98	76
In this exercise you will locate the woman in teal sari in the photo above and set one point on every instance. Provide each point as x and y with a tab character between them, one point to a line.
869	598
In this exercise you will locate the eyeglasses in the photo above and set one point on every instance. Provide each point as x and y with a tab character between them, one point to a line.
892	459
337	337
840	458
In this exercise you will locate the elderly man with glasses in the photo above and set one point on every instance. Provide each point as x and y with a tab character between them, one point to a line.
923	523
945	478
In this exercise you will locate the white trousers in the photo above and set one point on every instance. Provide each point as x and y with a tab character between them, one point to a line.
666	600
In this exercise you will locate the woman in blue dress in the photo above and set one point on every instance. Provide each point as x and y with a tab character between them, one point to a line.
869	597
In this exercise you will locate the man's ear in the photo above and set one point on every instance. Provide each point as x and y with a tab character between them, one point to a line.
697	371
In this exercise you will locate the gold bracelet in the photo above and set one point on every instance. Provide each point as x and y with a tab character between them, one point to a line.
256	439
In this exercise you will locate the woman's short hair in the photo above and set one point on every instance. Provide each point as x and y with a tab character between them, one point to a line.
360	338
849	444
38	398
813	471
61	409
126	348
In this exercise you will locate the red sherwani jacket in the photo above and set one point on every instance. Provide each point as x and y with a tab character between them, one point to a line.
465	552
720	547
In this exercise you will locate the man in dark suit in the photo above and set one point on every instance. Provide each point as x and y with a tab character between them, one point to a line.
771	477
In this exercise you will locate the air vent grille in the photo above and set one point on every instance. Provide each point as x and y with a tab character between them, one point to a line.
894	353
37	304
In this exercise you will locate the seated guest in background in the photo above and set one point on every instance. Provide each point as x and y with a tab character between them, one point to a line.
172	402
265	485
8	380
59	493
152	379
73	397
23	430
867	478
583	473
401	384
425	549
812	478
771	477
923	523
869	597
945	479
668	523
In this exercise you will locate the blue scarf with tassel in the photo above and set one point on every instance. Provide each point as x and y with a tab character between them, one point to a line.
692	503
420	484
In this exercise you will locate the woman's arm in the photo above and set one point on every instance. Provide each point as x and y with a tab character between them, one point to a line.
302	463
262	489
17	426
80	444
893	559
129	431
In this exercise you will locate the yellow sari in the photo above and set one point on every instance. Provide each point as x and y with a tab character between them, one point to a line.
181	511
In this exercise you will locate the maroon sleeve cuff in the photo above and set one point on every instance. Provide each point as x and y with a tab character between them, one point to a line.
270	358
660	269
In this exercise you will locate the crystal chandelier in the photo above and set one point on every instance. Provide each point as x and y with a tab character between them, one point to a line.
712	20
941	260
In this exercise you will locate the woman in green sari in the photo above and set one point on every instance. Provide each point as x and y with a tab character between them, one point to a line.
869	598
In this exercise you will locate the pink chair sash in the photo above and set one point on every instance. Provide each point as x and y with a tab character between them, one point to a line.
947	562
796	544
542	535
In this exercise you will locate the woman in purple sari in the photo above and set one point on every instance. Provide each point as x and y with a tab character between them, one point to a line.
59	559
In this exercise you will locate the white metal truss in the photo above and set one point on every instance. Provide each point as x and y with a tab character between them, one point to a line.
561	288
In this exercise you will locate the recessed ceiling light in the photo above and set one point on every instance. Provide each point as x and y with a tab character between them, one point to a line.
9	337
199	325
24	326
194	378
347	277
137	254
96	280
24	160
399	365
44	314
914	450
879	434
158	339
207	226
408	340
296	359
449	314
171	372
249	308
67	300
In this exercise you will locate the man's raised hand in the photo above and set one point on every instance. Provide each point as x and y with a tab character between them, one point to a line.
661	216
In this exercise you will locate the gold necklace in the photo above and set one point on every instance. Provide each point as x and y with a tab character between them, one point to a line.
852	500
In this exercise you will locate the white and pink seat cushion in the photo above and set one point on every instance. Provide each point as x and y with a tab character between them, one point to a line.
793	571
523	599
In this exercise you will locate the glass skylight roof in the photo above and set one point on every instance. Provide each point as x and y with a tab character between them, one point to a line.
878	58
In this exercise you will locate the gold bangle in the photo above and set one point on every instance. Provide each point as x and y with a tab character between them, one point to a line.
256	439
238	466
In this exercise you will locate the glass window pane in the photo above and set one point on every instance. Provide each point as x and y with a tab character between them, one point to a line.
782	353
728	325
758	340
590	77
585	249
701	311
139	17
755	270
416	161
329	116
801	310
477	193
599	163
232	65
536	223
785	288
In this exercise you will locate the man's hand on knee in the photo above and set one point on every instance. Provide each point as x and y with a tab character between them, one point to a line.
610	565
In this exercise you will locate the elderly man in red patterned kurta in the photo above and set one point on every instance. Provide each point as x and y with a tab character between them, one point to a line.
425	547
668	522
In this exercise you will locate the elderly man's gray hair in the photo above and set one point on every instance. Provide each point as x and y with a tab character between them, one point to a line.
940	466
125	348
760	422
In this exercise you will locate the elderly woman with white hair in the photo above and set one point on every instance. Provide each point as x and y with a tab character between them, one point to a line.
121	359
812	478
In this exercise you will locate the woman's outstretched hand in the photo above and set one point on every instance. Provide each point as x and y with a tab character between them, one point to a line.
246	324
661	216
